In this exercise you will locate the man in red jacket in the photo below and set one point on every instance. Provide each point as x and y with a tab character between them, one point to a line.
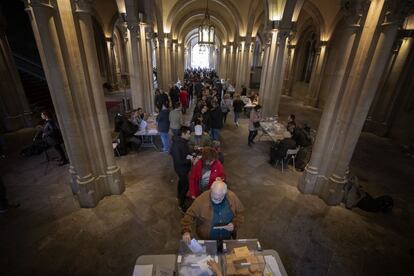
204	172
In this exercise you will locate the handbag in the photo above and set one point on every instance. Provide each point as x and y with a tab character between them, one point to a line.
256	124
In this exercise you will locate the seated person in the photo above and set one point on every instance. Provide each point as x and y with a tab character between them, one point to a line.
199	139
300	136
126	135
279	152
215	207
291	121
204	172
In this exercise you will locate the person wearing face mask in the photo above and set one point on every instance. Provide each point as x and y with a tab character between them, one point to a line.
204	172
217	212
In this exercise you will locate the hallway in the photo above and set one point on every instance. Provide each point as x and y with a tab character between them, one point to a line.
311	237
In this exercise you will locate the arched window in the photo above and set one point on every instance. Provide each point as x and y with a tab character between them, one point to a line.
309	58
200	56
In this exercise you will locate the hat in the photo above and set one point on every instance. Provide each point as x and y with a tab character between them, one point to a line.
198	130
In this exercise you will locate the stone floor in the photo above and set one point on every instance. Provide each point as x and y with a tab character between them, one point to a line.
50	235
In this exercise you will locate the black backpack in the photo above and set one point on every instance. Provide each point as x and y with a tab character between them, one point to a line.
380	204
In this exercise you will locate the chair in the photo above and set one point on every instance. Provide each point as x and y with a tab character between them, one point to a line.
290	154
115	143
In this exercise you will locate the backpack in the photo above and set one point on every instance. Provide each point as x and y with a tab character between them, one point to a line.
380	204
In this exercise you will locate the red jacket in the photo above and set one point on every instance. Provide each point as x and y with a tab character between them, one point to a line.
184	98
217	170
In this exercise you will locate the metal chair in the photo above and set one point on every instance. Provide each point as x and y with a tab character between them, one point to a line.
290	154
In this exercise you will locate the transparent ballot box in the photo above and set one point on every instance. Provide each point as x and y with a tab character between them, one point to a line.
208	247
242	261
252	244
192	258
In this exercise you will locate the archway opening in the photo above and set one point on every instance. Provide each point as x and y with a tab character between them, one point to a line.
200	56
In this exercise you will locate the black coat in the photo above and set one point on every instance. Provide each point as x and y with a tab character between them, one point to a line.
301	138
179	152
216	118
238	106
51	133
163	120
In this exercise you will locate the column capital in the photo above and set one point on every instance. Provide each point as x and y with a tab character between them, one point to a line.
396	11
353	11
83	6
39	4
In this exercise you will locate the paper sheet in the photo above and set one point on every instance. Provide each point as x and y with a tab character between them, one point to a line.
241	251
272	263
195	247
143	270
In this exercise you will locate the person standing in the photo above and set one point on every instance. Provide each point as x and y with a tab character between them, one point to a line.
51	134
163	121
180	153
254	124
184	99
215	207
216	120
175	119
226	104
238	105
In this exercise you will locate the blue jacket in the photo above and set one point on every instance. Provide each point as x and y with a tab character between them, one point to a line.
163	120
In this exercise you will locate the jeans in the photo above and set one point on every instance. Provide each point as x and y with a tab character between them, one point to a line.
225	116
182	188
236	117
165	141
215	134
252	135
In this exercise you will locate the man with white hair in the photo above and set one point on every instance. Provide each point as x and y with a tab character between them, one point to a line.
217	212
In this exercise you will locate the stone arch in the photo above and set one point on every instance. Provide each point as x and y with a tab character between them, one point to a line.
223	9
193	22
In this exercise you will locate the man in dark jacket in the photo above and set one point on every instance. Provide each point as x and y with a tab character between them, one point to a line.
163	121
216	121
51	134
180	152
279	152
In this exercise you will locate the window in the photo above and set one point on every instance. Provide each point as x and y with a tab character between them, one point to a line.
200	56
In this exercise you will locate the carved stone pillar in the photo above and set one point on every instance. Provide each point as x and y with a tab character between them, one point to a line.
289	78
14	109
365	54
274	63
77	96
317	74
385	104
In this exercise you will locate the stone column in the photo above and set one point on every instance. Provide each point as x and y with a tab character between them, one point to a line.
223	62
14	110
180	60
145	55
230	62
364	56
112	78
70	68
164	67
289	77
112	172
385	104
317	74
274	65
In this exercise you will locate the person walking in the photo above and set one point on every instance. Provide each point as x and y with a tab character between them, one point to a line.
163	122
216	120
226	104
254	124
238	106
51	134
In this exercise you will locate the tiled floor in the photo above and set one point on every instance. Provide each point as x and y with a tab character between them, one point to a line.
49	234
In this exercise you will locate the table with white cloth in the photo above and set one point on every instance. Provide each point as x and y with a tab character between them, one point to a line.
272	129
149	134
176	264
